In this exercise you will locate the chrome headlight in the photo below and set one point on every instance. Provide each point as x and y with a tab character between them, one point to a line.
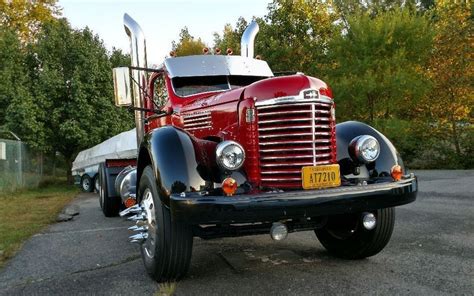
230	155
364	148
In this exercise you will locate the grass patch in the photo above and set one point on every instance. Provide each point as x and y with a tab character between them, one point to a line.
166	289
25	212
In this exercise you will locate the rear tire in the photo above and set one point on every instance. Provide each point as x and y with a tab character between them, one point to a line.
110	205
344	236
166	252
86	183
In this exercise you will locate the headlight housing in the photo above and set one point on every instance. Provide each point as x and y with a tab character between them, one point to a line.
230	155
364	148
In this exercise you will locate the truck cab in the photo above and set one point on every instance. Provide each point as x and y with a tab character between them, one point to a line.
227	148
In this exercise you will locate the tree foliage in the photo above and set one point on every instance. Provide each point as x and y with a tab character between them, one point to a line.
375	67
26	17
230	38
294	35
187	44
450	104
72	82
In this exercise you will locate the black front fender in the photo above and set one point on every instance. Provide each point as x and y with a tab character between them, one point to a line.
171	154
388	157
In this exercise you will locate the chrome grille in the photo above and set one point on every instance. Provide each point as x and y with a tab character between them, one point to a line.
198	120
293	135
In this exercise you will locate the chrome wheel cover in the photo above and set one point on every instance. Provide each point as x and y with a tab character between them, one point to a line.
148	206
86	184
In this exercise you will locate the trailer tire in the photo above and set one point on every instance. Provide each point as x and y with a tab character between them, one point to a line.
86	183
96	183
345	237
166	252
110	205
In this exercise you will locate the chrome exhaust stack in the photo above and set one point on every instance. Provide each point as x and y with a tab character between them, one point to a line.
248	40
138	59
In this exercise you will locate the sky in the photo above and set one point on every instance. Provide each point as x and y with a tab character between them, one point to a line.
160	20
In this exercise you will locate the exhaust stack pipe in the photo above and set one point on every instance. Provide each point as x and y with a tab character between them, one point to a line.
138	59
248	40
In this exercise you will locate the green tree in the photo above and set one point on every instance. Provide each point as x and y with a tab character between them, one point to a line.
295	33
118	58
231	37
72	82
26	17
376	65
187	44
18	111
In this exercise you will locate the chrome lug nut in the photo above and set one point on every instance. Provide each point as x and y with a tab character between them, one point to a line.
138	238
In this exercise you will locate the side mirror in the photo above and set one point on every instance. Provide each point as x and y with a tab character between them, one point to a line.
122	89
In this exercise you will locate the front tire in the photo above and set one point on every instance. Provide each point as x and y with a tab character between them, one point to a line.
344	236
166	252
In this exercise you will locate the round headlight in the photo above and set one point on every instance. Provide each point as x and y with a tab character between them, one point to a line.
230	155
365	148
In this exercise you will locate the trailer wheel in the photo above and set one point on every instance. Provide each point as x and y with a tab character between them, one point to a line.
344	236
96	183
166	252
86	183
110	205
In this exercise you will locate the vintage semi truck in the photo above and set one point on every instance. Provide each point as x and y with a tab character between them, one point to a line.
227	148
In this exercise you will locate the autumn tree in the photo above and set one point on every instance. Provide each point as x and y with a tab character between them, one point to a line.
26	16
450	105
187	44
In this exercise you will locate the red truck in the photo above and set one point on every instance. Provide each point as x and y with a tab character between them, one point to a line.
228	148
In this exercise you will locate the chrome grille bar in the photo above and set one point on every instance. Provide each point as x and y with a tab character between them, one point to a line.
293	135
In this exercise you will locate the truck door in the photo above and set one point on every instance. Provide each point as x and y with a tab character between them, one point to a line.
158	99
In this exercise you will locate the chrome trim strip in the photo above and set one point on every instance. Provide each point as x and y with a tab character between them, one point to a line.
286	112
264	129
285	157
283	135
295	99
283	120
197	114
196	124
197	119
296	150
313	130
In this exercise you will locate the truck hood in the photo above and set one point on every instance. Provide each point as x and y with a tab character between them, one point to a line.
283	86
265	89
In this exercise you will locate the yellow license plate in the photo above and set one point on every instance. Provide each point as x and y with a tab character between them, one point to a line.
322	176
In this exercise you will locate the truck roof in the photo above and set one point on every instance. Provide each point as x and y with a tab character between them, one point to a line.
216	65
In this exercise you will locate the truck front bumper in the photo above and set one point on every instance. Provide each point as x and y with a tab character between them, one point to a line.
269	207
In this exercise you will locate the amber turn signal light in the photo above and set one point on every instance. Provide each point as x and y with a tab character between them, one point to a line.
396	172
130	202
229	186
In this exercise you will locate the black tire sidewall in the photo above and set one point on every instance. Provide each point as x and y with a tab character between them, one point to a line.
148	181
363	243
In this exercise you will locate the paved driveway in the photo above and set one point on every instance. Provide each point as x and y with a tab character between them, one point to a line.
431	252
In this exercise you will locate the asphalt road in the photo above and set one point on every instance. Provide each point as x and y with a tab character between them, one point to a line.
431	252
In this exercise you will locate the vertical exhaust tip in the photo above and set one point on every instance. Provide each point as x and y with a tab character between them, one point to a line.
248	40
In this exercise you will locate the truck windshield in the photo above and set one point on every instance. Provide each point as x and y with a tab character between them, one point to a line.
187	86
